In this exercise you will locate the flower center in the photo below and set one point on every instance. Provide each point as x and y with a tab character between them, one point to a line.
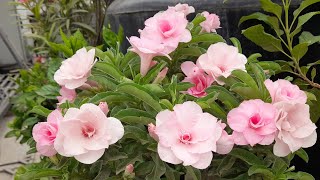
288	93
165	26
255	121
88	131
185	138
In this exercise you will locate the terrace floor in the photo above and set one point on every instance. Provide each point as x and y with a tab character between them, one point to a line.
12	154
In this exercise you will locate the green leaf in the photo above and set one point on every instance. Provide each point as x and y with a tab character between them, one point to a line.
144	168
246	156
307	37
266	41
152	74
299	176
133	132
254	57
193	173
269	66
226	164
110	97
245	91
166	104
224	96
141	93
109	69
299	51
48	91
104	80
190	51
303	19
85	27
197	20
260	78
245	78
40	110
30	121
24	173
303	155
279	166
208	38
304	4
158	170
61	47
236	43
134	116
313	73
12	133
261	170
270	20
269	6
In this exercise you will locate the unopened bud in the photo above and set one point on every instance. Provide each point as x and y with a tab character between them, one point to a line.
104	107
152	131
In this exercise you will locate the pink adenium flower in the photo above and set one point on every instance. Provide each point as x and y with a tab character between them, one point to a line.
44	133
212	22
220	60
168	27
225	142
66	95
104	107
187	135
147	49
85	133
161	36
197	77
283	90
75	71
253	122
295	129
183	8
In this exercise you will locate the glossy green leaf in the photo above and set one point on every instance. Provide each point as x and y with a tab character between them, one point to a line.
305	18
270	20
104	80
304	4
30	121
266	41
140	93
307	37
245	91
134	116
303	155
265	172
109	69
246	156
271	7
40	110
110	97
208	38
299	51
152	74
245	78
299	176
158	170
133	132
224	96
236	43
193	173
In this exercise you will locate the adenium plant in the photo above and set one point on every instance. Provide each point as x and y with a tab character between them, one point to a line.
181	103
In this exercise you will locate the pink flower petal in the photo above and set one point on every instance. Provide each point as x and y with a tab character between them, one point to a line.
90	157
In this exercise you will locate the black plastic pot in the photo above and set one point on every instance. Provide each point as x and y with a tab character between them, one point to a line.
131	14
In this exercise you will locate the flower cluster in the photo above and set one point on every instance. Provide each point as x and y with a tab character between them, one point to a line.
185	133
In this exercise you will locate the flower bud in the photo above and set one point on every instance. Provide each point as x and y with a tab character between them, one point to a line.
152	133
104	107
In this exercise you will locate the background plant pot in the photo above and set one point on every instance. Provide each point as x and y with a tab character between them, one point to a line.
132	14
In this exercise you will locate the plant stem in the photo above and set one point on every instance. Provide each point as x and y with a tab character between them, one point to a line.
289	44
